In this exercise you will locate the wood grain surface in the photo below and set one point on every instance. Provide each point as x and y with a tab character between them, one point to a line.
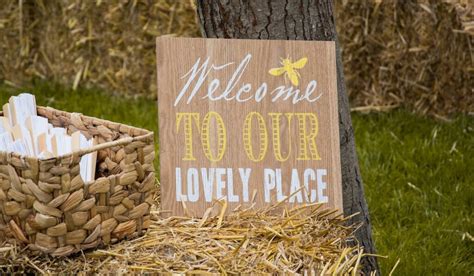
224	126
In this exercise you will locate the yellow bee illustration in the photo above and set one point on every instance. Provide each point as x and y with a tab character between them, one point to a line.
289	69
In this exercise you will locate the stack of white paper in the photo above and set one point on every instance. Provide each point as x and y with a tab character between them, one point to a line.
24	132
5	134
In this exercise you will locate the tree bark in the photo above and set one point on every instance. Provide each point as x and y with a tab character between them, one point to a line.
299	20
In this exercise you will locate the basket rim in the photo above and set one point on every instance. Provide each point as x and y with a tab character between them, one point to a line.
122	141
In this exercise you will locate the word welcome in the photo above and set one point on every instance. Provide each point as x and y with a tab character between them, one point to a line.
198	74
307	132
209	184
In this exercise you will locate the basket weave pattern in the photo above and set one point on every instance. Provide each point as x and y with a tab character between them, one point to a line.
46	204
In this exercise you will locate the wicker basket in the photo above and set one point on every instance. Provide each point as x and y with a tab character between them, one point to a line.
46	204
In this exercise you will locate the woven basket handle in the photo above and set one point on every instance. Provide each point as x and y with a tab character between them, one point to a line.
116	143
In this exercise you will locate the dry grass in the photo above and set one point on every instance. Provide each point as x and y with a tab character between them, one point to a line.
416	54
102	43
247	241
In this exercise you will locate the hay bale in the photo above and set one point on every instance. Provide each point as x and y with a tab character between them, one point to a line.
16	41
109	44
247	241
416	54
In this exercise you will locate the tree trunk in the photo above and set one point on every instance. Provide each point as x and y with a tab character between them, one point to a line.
300	20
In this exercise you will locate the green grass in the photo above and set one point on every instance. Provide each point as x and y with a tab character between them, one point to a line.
419	182
418	175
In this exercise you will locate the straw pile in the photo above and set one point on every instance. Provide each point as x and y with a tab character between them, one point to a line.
246	241
417	54
102	43
413	53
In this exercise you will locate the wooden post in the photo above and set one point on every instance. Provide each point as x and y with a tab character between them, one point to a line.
300	20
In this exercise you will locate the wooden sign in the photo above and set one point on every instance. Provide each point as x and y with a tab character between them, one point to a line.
248	121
